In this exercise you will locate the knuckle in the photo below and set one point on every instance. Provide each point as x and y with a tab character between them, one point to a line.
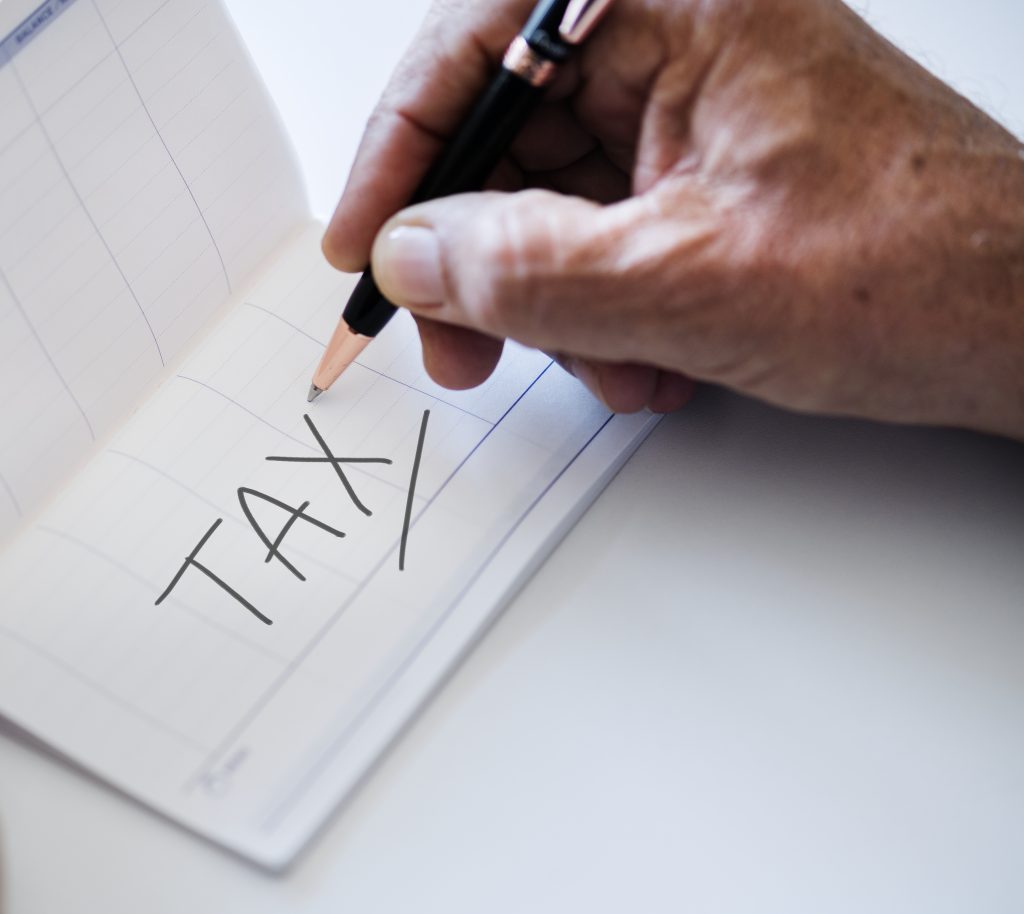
485	291
517	252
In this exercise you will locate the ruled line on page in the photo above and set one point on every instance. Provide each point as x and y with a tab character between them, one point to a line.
203	618
89	216
359	364
264	699
146	115
219	509
42	346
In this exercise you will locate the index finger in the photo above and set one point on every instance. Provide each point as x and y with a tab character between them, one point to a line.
451	59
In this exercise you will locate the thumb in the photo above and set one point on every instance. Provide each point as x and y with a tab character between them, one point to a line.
551	271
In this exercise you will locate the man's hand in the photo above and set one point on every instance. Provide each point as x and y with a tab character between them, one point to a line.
759	193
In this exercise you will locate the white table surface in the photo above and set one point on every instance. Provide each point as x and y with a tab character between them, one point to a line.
779	667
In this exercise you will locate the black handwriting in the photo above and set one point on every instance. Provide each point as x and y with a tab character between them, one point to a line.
191	561
296	514
335	462
299	513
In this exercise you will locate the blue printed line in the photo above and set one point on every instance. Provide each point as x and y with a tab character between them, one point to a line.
31	26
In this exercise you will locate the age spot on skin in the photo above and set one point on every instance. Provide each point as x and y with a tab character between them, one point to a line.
979	240
862	294
918	163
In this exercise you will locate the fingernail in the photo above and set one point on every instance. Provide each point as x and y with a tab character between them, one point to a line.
407	266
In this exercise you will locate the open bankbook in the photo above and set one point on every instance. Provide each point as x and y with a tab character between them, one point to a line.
221	600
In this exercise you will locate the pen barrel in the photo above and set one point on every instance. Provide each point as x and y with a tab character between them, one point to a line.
466	164
368	311
485	136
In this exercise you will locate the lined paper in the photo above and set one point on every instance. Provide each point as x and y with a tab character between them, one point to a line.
224	721
142	178
220	599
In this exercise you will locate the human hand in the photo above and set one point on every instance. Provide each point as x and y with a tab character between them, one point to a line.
763	194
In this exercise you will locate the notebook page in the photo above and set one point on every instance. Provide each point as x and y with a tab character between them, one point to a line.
143	177
243	598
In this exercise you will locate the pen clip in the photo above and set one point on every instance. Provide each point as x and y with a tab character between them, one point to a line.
581	18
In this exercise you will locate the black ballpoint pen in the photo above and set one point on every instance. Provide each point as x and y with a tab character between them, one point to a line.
554	29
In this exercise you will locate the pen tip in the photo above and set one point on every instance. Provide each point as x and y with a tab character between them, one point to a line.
314	392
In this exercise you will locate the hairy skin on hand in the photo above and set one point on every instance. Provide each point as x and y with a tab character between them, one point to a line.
763	194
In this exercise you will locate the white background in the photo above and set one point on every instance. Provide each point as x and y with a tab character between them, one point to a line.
779	667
